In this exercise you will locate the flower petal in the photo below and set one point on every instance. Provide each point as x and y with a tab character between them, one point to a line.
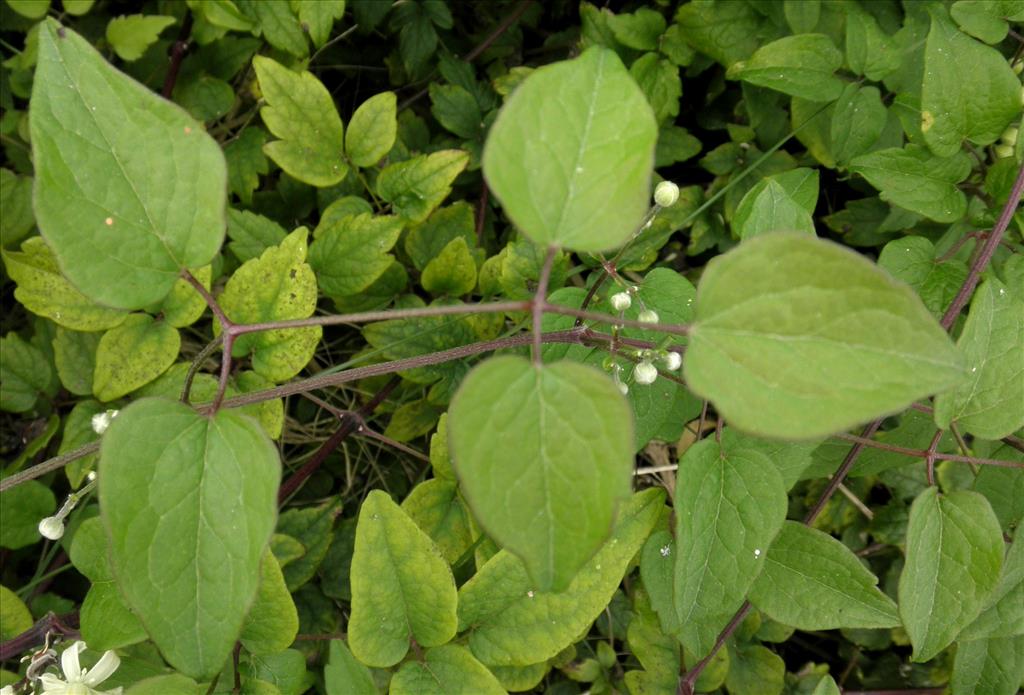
52	684
69	661
107	664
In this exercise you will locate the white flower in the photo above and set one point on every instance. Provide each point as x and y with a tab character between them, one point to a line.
648	316
673	361
51	527
666	194
621	301
645	373
81	681
7	690
101	421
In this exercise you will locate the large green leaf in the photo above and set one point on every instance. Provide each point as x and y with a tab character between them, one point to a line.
447	670
988	667
417	186
801	66
513	623
969	90
729	504
813	582
1003	615
990	403
299	110
372	130
402	588
954	555
129	189
797	337
277	286
913	260
272	621
915	179
189	503
571	152
857	122
343	675
525	440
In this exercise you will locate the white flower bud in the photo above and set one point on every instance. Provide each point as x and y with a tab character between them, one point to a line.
1003	151
666	194
645	373
621	301
673	361
1009	135
1017	66
623	388
101	421
647	316
51	527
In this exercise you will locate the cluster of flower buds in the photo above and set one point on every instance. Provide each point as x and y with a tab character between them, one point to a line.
645	372
1007	141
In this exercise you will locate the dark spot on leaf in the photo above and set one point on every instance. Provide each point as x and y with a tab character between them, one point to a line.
61	32
292	295
291	273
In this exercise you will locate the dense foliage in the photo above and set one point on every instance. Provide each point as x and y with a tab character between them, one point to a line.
442	347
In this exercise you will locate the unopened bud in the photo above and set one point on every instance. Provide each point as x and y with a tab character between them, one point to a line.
1009	135
647	316
51	527
673	361
645	373
1003	151
621	301
666	194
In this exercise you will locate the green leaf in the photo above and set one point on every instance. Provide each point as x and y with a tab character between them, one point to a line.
990	403
206	97
252	234
282	673
33	9
78	432
452	271
969	90
755	670
184	305
456	109
436	508
426	240
1003	615
277	286
14	615
272	622
917	180
787	344
447	670
402	587
106	620
187	556
769	208
417	186
801	66
318	16
343	675
25	374
246	162
349	255
802	15
43	290
299	110
279	25
131	36
986	19
811	581
988	667
954	554
730	504
1004	487
575	442
171	684
119	232
400	338
726	31
16	201
659	80
869	50
857	122
913	260
313	528
222	13
513	623
132	355
639	30
412	420
372	130
549	154
21	510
